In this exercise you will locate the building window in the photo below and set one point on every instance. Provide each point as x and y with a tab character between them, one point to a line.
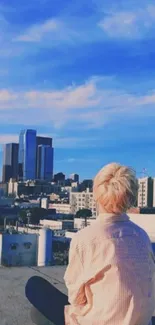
27	245
13	246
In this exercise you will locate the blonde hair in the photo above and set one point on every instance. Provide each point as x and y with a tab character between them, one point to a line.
115	188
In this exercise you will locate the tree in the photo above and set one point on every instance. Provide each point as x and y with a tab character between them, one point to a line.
84	213
33	215
23	216
37	214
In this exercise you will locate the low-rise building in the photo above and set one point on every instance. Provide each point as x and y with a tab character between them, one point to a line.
6	201
26	249
36	187
3	189
82	200
44	203
58	224
145	192
61	207
74	177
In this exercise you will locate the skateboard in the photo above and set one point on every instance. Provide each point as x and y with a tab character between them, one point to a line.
47	301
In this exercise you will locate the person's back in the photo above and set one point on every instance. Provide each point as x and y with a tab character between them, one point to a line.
118	270
111	273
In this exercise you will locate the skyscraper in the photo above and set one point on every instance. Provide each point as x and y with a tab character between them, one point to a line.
45	162
27	155
10	162
44	141
42	161
74	177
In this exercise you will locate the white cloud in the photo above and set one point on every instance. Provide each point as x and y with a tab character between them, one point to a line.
129	24
38	107
93	104
37	32
69	98
74	142
7	96
78	160
52	29
8	138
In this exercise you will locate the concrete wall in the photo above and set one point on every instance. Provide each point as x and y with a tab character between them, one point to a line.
53	224
145	221
45	250
19	249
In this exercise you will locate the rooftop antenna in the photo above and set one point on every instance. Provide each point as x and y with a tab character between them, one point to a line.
144	172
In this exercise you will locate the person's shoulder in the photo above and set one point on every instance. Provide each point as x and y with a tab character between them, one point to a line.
89	232
140	231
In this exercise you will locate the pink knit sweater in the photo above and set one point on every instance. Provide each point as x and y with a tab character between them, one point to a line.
111	274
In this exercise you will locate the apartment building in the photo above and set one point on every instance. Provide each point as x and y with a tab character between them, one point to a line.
82	200
145	192
63	208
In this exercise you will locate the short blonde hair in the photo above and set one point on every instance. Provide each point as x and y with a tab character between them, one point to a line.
115	188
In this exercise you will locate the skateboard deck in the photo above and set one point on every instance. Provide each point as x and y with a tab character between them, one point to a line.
46	300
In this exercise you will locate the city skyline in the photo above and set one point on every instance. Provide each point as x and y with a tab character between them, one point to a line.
83	74
30	159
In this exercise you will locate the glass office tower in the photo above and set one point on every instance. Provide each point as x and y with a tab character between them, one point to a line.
27	155
45	162
10	162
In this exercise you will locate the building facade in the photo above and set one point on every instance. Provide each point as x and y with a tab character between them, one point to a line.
59	179
27	155
57	224
45	157
82	200
63	208
145	192
29	188
47	141
74	177
10	162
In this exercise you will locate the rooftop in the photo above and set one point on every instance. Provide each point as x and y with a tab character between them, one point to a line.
14	307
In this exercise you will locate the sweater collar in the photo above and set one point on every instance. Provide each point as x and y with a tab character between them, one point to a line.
112	218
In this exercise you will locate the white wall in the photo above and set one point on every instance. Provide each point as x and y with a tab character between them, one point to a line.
57	224
44	203
53	224
145	221
45	251
17	251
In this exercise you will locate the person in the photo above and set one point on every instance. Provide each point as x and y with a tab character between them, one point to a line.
111	272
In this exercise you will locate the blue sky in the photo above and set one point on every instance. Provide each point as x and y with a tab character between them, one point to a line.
84	74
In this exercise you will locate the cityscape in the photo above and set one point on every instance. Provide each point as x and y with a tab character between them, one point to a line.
76	93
